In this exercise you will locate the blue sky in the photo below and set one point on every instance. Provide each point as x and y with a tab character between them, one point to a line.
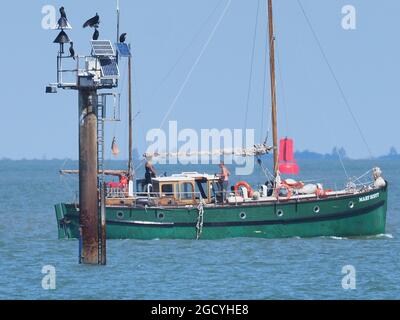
311	109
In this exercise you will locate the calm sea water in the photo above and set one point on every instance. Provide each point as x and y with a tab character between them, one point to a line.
227	269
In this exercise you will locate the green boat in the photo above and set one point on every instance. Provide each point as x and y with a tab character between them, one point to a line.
189	206
341	214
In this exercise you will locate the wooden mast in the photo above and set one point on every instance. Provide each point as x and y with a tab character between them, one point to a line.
273	87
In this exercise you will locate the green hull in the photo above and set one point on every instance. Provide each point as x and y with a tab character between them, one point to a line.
346	216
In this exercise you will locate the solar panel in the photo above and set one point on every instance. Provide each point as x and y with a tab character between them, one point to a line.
101	48
109	67
123	49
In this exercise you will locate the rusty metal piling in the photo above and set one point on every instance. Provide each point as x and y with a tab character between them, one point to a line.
88	183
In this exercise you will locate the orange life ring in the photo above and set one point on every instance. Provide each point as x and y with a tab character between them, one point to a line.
246	185
289	192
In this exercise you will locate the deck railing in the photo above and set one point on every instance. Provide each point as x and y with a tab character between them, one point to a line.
219	197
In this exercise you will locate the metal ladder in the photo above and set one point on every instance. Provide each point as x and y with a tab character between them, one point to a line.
101	114
101	108
101	119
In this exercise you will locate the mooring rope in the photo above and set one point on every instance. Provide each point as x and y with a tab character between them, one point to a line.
200	220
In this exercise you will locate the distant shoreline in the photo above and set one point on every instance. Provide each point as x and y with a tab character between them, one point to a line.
336	154
301	156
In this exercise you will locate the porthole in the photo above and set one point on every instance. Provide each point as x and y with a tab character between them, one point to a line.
351	204
280	213
161	215
317	209
120	215
243	215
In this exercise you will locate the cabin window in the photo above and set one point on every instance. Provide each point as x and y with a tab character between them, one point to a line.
201	189
186	191
156	187
167	190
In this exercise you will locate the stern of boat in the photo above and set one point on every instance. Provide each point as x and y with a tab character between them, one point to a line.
67	222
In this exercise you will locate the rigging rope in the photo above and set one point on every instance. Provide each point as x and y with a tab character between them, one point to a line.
188	76
264	100
342	163
265	170
346	102
186	49
252	65
282	91
333	142
363	175
72	190
172	69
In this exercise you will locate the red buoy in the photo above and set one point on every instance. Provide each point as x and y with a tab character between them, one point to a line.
287	163
286	153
